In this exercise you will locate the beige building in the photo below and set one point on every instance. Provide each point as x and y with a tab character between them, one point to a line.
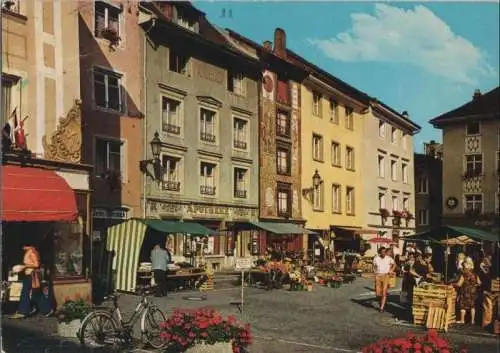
388	176
471	161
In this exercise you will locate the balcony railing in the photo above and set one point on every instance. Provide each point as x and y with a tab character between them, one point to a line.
472	173
207	190
208	137
240	194
171	185
240	144
170	128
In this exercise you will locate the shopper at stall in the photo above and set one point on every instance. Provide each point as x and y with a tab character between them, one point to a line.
420	270
160	259
30	292
384	266
467	285
408	281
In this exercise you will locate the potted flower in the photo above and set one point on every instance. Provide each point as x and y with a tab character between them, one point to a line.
111	35
396	214
69	317
384	213
204	330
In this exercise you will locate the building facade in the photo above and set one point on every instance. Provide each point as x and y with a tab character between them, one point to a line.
471	159
202	99
111	88
388	175
428	187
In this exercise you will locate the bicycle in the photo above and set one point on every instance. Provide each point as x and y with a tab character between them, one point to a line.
110	328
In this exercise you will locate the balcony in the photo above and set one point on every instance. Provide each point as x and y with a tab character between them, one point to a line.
207	137
242	145
207	190
171	185
172	129
472	173
240	194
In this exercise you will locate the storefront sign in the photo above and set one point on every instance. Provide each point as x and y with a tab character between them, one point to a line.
243	263
199	210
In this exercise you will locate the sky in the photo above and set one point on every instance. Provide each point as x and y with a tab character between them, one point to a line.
426	58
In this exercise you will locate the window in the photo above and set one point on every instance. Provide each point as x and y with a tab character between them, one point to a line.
283	124
108	156
406	203
240	183
283	92
336	160
422	185
349	118
349	195
423	217
178	62
394	135
207	125
381	166
381	200
404	172
404	139
349	158
171	178
316	104
317	146
318	198
336	199
394	170
472	129
236	82
283	160
207	178
284	200
240	133
381	128
473	165
184	20
334	112
171	116
107	89
473	203
7	85
107	17
395	203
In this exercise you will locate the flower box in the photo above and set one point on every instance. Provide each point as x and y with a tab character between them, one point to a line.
396	214
384	213
218	347
68	329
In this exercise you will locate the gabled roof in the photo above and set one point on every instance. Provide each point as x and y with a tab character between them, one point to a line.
485	106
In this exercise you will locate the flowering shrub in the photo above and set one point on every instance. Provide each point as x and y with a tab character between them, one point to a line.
185	328
428	343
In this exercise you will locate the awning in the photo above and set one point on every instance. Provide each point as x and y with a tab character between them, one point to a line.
280	228
178	227
342	233
442	233
35	195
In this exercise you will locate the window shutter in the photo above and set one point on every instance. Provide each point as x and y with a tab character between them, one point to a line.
123	159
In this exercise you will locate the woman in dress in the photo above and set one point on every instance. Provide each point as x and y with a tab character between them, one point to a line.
467	286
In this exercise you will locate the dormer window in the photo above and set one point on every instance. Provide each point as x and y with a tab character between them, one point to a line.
107	18
186	20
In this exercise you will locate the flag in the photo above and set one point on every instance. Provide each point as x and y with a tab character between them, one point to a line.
20	136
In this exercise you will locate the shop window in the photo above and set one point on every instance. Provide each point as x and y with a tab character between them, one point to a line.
68	249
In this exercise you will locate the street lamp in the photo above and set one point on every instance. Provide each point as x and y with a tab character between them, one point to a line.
316	179
309	192
155	162
156	146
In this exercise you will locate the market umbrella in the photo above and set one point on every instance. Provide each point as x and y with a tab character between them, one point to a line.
461	240
381	241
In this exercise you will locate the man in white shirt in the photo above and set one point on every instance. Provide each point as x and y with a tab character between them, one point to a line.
384	267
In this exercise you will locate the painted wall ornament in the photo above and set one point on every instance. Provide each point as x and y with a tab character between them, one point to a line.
451	202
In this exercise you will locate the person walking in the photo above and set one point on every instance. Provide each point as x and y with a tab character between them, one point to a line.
467	285
384	266
159	260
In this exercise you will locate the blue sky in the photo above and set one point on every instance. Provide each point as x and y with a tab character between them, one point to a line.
426	58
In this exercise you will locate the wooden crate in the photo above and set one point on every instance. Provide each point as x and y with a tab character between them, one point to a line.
495	285
434	306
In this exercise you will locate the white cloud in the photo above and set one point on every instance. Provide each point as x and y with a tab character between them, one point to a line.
416	37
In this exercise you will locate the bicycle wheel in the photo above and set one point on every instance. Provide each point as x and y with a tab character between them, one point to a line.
98	329
151	329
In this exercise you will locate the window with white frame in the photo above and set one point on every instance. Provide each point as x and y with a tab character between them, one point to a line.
240	133
236	82
472	128
318	197
336	199
422	185
107	19
381	128
107	89
381	200
473	164
404	172
334	111
317	146
208	178
349	158
171	176
394	135
109	156
395	202
284	196
394	170
423	217
473	202
171	119
208	125
240	183
179	62
406	203
316	104
349	198
336	159
381	166
349	118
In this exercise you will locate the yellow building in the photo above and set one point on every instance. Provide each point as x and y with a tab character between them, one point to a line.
331	154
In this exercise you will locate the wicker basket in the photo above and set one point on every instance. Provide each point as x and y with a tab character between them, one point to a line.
219	347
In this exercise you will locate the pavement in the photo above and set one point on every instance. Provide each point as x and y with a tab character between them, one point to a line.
324	320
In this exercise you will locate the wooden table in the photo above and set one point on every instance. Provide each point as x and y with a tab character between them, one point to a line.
185	280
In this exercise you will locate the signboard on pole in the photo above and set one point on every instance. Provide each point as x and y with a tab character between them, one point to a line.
243	263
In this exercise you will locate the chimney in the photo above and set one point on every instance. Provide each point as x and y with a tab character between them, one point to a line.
477	94
268	45
280	43
405	114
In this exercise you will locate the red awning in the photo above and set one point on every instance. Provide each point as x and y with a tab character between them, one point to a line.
35	195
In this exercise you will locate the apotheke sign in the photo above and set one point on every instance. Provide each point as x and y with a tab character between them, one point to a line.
197	210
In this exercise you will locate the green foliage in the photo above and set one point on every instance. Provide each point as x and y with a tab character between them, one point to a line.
73	310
